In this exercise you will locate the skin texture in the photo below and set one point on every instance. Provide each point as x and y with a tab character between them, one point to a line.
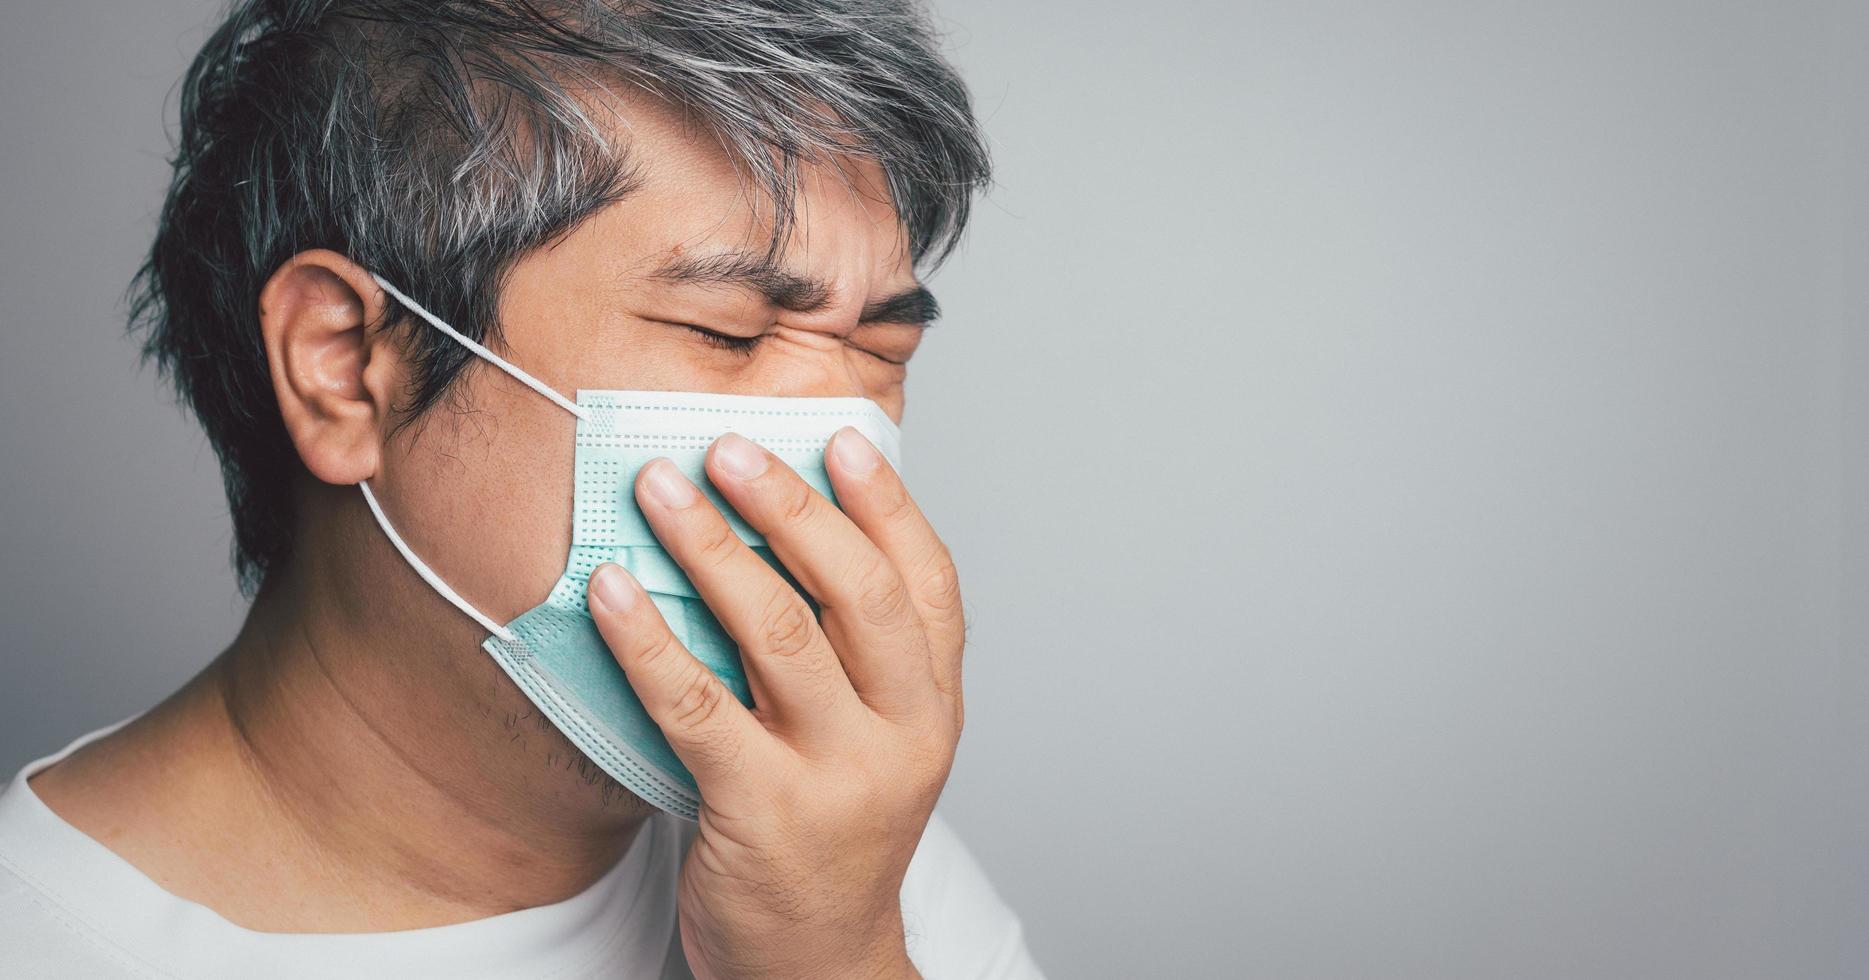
354	762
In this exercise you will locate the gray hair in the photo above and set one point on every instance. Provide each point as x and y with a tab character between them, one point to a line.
439	141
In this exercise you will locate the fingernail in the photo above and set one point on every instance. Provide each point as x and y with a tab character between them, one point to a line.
854	453
612	588
739	457
667	486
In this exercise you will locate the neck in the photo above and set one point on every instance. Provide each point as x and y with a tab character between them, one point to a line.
385	784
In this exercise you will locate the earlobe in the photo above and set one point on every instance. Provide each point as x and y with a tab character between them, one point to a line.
330	371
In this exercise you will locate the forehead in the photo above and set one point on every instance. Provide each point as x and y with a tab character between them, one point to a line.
690	198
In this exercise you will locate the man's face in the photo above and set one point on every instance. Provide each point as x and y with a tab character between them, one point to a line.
663	290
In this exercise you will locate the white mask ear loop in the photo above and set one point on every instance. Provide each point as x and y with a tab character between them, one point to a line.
492	358
376	510
428	574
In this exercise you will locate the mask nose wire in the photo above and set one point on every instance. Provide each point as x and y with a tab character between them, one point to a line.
376	510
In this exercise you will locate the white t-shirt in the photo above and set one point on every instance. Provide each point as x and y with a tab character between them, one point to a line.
70	907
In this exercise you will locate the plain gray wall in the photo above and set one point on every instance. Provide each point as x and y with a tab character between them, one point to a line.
1407	462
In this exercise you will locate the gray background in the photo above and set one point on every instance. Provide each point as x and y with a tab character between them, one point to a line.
1407	461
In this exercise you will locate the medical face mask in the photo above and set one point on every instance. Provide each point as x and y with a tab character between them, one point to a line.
553	652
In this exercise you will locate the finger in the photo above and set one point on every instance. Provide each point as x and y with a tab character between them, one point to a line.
711	731
865	606
794	672
873	497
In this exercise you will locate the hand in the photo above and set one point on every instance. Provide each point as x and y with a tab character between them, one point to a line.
814	800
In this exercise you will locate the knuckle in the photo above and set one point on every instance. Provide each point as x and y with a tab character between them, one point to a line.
718	544
899	508
699	704
788	628
661	653
798	505
885	602
941	582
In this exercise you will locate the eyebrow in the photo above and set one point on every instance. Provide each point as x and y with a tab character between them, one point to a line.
783	288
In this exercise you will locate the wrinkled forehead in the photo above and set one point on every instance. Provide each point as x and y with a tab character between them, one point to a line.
689	192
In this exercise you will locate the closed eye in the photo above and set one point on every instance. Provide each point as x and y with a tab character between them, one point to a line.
891	342
885	360
724	341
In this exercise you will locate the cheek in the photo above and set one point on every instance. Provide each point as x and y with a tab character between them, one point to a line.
880	382
487	497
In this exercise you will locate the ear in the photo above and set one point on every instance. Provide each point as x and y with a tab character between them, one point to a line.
332	374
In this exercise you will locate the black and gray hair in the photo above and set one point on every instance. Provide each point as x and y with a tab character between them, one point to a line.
439	141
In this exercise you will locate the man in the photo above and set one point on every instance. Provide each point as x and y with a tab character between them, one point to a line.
400	231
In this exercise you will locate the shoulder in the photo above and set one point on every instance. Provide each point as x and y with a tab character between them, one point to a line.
37	941
39	937
956	923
